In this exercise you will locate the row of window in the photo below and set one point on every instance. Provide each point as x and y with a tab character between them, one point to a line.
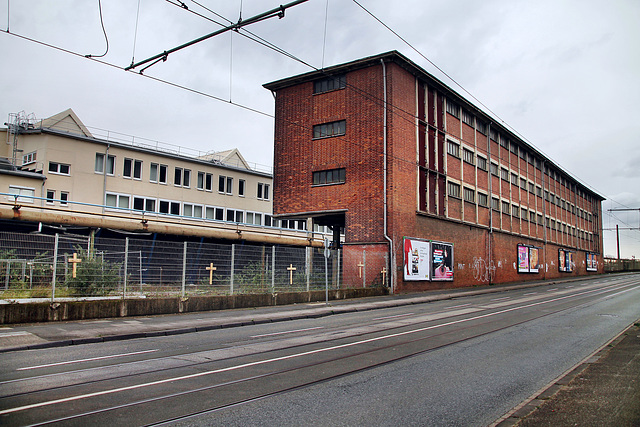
158	173
331	176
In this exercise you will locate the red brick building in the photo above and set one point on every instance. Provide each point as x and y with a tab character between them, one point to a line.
429	190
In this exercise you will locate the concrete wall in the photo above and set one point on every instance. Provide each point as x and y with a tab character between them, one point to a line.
82	310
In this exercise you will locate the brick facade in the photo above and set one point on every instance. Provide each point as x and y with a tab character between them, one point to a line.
440	183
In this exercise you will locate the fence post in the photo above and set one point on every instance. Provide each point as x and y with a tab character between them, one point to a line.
364	269
126	265
8	273
307	265
233	263
55	265
273	269
140	259
184	268
339	262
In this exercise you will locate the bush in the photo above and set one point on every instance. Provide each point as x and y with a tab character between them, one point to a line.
94	276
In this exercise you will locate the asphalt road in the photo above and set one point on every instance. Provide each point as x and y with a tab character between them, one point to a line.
465	361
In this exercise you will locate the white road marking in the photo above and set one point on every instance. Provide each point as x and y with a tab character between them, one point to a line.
500	299
85	360
13	334
286	332
291	356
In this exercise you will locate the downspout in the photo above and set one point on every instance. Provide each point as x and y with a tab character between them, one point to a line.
104	178
392	260
490	202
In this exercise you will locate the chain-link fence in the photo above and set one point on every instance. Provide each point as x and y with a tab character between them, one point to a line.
45	266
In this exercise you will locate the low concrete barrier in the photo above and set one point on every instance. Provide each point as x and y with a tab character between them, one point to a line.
100	309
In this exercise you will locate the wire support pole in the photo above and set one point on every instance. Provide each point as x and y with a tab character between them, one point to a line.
279	12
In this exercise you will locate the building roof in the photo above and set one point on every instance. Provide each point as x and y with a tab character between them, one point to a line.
411	67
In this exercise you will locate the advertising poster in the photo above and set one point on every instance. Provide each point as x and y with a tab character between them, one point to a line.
416	259
523	259
570	262
592	264
533	259
441	261
562	260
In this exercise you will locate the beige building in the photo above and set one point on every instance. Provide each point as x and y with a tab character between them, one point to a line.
57	171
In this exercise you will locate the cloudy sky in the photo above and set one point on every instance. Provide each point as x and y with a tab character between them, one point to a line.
563	74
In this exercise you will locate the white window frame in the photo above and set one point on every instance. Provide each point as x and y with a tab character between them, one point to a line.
58	168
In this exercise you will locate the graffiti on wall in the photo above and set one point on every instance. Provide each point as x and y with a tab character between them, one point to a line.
483	270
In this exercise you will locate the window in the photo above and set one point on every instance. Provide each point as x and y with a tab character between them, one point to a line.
469	195
532	216
482	163
514	178
481	127
137	169
144	204
523	154
523	183
493	134
494	169
515	210
263	191
453	109
51	196
231	215
28	158
127	168
100	164
225	184
177	176
194	211
505	207
514	148
163	174
25	194
453	189
468	156
333	176
483	199
330	129
200	181
64	198
208	182
186	178
539	218
169	207
330	83
153	172
453	149
117	200
523	214
504	143
241	184
538	191
532	188
495	204
59	168
467	118
504	174
204	181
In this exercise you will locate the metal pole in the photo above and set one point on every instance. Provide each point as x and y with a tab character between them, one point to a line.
273	269
55	265
184	268
338	283
126	265
364	269
618	240
326	279
308	265
140	266
233	259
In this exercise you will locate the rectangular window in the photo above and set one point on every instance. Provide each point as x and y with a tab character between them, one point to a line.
523	213
468	156
144	204
186	178
169	207
332	176
493	134
177	176
241	183
99	164
163	174
481	127
200	181
539	218
505	207
194	211
126	169
523	154
514	178
532	188
25	194
453	109
523	183
153	172
538	191
263	191
137	169
514	148
330	129
483	199
28	158
515	210
453	149
494	169
59	168
225	184
204	181
482	163
117	200
504	174
504	143
469	195
495	204
208	182
532	216
467	118
51	196
453	189
330	83
64	198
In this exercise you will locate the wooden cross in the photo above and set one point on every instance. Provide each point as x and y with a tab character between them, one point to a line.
384	275
291	269
73	262
360	265
211	269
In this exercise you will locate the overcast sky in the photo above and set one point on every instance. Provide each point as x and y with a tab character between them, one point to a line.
564	74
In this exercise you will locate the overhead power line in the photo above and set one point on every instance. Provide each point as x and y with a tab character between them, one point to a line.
279	12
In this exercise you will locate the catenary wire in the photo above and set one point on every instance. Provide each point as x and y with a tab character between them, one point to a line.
105	33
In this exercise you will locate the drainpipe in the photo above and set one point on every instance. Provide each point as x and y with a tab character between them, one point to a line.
392	260
104	177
